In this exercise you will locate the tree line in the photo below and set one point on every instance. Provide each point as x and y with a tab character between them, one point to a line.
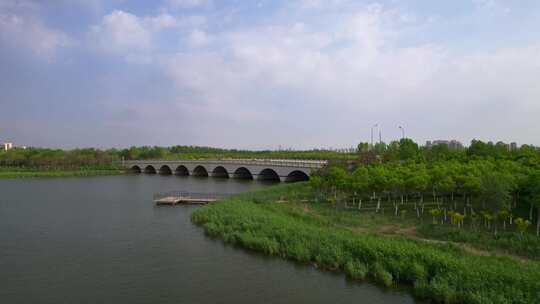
43	158
483	185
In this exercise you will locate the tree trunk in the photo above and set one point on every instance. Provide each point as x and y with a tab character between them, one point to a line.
538	225
445	215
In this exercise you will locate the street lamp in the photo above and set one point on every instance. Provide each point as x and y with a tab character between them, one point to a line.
374	126
402	132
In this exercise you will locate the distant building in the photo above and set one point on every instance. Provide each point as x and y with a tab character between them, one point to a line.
513	146
8	146
452	144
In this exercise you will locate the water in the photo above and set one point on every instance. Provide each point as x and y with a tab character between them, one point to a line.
101	240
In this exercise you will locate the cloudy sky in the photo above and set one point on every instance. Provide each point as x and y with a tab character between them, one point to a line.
264	73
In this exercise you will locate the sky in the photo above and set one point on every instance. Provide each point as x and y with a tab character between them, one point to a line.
264	74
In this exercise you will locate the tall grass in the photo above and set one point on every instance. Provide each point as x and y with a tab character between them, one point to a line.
443	273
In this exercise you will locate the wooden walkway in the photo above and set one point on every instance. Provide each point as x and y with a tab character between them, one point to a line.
184	197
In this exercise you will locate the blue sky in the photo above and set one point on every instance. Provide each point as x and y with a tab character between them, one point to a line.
263	74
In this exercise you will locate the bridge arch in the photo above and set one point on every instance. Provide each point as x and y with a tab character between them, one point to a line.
181	171
242	173
269	175
165	170
297	176
150	169
200	171
220	172
135	169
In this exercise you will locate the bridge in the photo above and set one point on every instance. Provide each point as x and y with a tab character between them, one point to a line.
284	170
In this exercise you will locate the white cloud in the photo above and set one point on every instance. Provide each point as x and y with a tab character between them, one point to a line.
198	38
137	38
132	36
29	33
121	31
183	4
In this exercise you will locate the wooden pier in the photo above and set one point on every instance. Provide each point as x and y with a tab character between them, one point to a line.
183	197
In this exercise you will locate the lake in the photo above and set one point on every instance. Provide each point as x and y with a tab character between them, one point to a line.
102	240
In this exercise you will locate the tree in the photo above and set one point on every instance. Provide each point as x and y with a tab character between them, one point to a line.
495	192
378	182
504	215
360	182
522	225
408	149
337	179
392	151
435	213
379	148
533	187
363	147
416	181
438	152
479	148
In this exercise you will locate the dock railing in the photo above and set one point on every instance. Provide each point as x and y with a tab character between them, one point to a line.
191	195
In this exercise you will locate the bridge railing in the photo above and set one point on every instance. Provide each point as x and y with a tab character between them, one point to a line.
253	162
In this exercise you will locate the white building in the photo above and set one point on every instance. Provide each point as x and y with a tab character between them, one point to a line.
8	146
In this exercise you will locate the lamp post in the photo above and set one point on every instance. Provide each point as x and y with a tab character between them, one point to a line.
374	126
402	132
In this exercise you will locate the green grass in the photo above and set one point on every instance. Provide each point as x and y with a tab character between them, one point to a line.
320	235
6	173
526	245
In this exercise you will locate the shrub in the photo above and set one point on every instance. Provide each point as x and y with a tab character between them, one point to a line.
356	270
381	275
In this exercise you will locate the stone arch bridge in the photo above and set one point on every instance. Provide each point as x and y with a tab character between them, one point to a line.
261	169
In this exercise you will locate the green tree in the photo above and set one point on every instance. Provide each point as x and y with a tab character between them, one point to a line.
533	186
363	147
408	149
495	192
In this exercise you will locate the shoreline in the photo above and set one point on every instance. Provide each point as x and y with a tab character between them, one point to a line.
17	174
264	222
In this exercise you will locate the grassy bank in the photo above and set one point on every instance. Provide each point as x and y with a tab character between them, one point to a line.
525	246
26	173
282	221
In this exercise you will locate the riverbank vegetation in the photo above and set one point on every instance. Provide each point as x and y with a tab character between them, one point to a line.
458	225
11	172
291	221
